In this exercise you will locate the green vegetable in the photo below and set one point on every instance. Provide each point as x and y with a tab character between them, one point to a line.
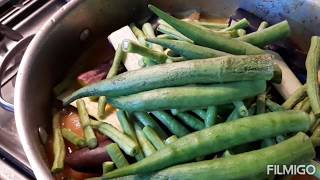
312	65
118	59
95	124
128	129
116	155
165	36
273	106
268	35
132	47
206	37
211	25
153	137
241	32
296	97
211	116
73	138
147	120
249	165
89	135
261	103
221	69
107	166
173	33
263	25
173	125
149	32
188	50
226	154
139	34
215	138
146	146
317	165
191	121
233	115
171	139
129	146
59	151
241	108
201	113
242	24
306	106
184	96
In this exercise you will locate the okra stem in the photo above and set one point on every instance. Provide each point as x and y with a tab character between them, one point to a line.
89	135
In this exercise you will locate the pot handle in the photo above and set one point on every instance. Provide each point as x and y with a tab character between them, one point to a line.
19	48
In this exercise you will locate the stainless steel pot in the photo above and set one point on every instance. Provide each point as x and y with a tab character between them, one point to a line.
86	23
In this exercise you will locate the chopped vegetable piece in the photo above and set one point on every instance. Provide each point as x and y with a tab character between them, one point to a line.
241	32
190	121
139	34
261	103
263	25
59	151
201	113
116	155
295	98
153	137
211	117
233	115
89	135
146	146
242	24
273	106
173	33
171	139
241	108
107	166
73	138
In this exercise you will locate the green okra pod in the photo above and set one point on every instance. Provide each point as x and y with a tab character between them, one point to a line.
89	135
268	35
206	37
201	113
263	25
183	97
73	137
214	139
241	24
59	151
273	106
312	65
149	32
132	47
146	146
129	146
241	108
295	98
139	34
172	124
172	32
190	121
116	155
188	50
153	137
211	25
107	166
211	117
171	139
145	119
213	70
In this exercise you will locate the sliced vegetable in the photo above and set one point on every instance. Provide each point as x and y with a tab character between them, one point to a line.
263	25
241	32
242	24
273	106
249	165
221	69
296	97
73	138
126	143
146	146
107	166
171	139
211	117
215	139
149	32
211	25
312	65
172	124
147	120
191	121
139	34
268	35
89	135
116	155
241	108
173	33
153	137
59	151
184	96
201	113
206	37
132	47
188	50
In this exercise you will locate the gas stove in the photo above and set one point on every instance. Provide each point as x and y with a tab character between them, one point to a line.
19	22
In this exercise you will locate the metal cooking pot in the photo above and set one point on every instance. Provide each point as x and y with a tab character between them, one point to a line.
83	24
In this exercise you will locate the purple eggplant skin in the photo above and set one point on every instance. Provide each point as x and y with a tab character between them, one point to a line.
89	160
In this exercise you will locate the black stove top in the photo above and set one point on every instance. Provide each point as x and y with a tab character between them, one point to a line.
19	21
